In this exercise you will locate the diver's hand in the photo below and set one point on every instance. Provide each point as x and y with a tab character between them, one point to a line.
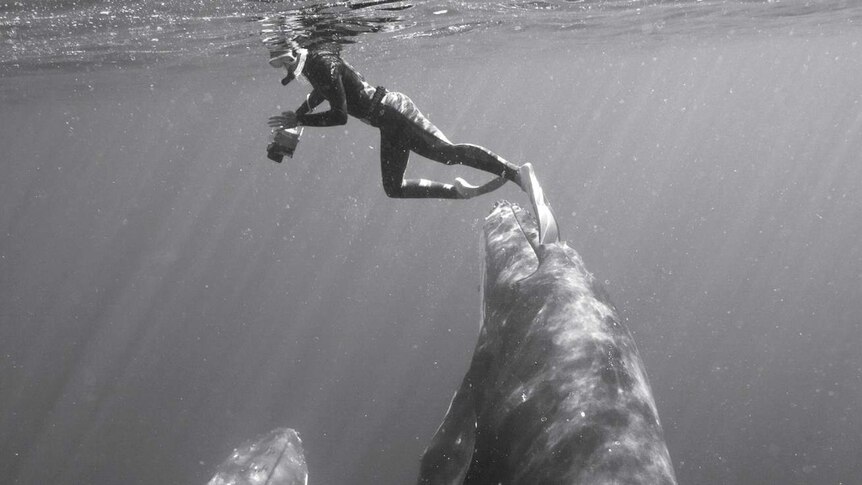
284	120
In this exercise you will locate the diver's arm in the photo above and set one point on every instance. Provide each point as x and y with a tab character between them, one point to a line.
337	114
311	101
290	119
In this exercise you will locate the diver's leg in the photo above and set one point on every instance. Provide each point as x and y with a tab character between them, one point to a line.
393	164
467	154
428	141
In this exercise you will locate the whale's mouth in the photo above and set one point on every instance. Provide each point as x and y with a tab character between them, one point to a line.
526	228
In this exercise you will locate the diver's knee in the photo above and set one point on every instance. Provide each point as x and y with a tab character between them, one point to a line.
452	155
393	191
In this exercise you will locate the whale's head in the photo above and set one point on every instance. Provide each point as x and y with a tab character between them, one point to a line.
520	273
524	280
512	248
511	239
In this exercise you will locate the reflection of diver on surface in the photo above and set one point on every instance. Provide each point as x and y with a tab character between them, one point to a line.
402	126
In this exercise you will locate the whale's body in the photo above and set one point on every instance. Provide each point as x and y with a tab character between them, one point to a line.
556	392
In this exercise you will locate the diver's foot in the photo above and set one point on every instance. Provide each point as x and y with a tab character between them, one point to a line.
467	190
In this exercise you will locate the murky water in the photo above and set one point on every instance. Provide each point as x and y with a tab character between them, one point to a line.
167	292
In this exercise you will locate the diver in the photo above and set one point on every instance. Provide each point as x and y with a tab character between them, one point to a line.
403	128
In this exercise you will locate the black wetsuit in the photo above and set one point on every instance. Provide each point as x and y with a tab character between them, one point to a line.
402	126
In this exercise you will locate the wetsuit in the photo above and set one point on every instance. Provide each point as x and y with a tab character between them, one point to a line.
402	126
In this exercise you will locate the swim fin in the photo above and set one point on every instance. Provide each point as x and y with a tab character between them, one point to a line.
548	230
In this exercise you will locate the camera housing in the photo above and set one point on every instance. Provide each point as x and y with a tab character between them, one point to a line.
284	142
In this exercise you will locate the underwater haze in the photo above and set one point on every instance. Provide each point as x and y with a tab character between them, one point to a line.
167	292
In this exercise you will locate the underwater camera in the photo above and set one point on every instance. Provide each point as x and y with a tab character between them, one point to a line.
284	142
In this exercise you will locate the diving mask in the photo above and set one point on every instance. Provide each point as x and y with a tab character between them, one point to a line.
293	61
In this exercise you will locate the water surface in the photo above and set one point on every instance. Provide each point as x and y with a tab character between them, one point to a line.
167	292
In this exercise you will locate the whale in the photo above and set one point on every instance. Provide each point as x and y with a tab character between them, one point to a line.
556	391
275	458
